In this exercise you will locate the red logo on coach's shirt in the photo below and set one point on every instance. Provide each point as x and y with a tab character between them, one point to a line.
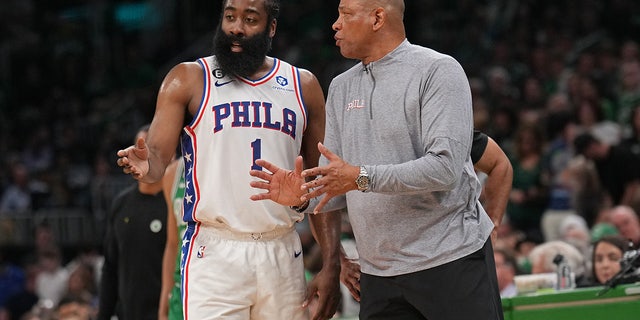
355	104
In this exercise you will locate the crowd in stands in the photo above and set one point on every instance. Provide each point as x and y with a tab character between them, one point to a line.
555	83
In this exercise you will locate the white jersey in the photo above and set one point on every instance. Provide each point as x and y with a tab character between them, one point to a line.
238	121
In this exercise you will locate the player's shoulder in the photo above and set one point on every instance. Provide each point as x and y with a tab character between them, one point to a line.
183	75
307	76
187	68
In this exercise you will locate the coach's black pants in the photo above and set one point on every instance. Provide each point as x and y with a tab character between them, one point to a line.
462	289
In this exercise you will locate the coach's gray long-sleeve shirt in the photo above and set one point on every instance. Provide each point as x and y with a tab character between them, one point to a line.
408	118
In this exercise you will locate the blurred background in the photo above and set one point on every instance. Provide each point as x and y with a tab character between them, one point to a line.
78	78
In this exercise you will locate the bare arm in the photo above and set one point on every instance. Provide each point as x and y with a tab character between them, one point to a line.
499	172
171	246
325	227
181	89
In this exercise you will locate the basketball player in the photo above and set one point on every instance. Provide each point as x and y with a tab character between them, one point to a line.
173	189
242	259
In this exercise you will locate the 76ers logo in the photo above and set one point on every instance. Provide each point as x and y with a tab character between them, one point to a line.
356	104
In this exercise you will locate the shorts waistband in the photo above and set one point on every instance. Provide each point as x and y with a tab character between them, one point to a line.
225	233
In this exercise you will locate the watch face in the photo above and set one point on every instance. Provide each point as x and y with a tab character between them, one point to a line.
362	182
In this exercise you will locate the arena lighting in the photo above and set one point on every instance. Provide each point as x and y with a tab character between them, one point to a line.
136	15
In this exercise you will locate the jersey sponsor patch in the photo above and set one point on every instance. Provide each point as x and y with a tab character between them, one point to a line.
282	81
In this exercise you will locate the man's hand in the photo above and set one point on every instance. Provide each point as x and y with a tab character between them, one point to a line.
282	186
350	276
334	179
134	160
325	289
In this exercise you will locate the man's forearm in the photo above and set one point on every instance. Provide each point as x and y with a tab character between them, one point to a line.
497	190
326	228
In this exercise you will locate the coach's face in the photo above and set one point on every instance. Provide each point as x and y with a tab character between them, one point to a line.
353	28
243	36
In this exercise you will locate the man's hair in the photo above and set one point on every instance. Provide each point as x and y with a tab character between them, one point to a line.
582	142
273	9
271	6
615	240
547	251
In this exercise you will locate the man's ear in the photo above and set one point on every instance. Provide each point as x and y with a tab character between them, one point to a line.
272	27
380	17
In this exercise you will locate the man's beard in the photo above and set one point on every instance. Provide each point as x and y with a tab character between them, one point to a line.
244	63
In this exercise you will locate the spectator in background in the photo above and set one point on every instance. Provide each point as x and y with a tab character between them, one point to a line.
602	229
529	194
82	284
502	128
588	199
632	137
628	93
618	169
38	154
556	158
506	270
17	196
590	119
51	281
43	236
606	257
88	257
22	302
626	220
629	51
133	250
12	278
574	231
542	259
73	307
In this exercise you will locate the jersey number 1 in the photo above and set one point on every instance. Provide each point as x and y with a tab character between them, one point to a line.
256	146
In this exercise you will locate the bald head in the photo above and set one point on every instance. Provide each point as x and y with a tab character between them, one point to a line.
392	7
369	29
625	219
393	12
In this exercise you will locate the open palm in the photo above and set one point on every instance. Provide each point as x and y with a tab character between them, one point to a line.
282	186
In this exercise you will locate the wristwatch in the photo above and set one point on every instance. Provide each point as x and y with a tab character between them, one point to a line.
363	181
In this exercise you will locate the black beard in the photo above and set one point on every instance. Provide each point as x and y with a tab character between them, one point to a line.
246	62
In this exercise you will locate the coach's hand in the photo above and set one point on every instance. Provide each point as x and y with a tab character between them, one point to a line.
336	178
350	276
